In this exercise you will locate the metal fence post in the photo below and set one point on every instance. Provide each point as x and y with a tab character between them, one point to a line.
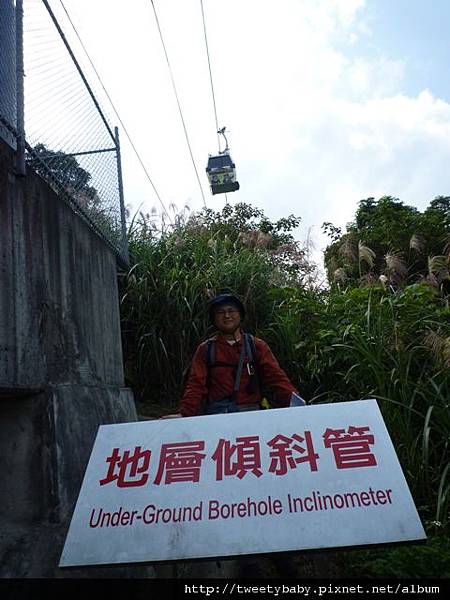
121	198
20	74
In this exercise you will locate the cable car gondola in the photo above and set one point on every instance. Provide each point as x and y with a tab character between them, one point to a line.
221	170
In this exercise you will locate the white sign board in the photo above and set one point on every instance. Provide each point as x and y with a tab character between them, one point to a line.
321	476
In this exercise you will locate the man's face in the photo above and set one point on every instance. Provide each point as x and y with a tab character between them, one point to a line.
227	318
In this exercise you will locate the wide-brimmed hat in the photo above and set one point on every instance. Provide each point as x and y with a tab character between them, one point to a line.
223	299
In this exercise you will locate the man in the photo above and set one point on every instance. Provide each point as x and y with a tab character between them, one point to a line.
226	376
228	369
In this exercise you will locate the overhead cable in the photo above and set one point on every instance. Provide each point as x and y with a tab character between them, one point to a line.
117	115
211	81
178	102
210	74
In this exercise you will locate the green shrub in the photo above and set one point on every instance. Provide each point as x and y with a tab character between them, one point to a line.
336	344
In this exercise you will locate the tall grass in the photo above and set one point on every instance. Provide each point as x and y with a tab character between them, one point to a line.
166	293
336	345
369	342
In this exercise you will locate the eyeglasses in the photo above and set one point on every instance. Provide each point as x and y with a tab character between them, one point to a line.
222	313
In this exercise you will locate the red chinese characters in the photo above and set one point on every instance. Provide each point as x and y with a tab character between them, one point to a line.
246	453
351	449
287	452
183	461
128	470
180	461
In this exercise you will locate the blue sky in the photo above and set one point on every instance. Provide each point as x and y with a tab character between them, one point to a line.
412	31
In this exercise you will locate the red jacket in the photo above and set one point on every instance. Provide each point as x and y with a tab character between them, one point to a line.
221	379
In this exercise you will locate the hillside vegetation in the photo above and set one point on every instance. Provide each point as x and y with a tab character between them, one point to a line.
379	328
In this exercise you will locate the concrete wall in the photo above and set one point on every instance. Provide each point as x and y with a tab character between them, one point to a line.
8	94
61	373
45	443
61	377
59	317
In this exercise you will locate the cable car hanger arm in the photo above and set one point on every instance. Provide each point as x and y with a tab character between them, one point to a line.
222	132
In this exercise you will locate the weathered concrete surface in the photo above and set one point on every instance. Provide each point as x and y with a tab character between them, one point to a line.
59	317
8	94
61	373
44	449
75	413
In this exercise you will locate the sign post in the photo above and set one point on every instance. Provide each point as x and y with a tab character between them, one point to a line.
323	476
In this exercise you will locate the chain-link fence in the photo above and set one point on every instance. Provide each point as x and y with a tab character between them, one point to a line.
69	139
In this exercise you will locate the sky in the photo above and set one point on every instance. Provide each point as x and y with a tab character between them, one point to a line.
326	102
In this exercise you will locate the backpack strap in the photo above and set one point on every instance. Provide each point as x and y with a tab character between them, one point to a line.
248	351
251	348
248	348
210	359
237	380
252	365
210	353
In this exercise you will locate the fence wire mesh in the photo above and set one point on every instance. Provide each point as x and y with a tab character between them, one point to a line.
69	140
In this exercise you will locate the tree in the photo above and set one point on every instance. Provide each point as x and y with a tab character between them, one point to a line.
67	172
178	270
391	239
